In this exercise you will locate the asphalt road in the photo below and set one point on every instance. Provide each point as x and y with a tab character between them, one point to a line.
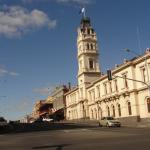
79	139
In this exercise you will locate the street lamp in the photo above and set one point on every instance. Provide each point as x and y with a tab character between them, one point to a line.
133	52
146	65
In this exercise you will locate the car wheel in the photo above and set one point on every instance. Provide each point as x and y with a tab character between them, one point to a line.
107	125
99	124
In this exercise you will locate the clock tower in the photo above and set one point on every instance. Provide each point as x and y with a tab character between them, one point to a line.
88	64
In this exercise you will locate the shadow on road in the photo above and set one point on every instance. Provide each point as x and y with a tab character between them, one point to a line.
58	147
45	126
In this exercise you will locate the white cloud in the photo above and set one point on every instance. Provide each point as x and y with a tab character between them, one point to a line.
16	20
62	1
76	1
4	72
14	74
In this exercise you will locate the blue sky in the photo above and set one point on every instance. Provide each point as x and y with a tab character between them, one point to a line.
38	44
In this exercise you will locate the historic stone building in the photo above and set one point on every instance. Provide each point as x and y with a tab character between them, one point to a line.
125	97
59	105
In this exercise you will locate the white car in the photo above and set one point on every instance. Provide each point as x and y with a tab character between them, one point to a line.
109	122
3	122
47	119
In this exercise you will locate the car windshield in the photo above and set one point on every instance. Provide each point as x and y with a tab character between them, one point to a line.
110	118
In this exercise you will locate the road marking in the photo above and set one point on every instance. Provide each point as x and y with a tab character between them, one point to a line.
75	130
66	131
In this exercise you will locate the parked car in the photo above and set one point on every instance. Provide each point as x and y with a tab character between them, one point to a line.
3	122
48	119
109	122
38	120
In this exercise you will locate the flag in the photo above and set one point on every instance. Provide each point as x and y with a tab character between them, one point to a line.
82	11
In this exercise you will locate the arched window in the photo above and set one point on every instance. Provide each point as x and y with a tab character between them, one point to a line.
88	46
108	111
119	110
92	113
129	108
148	105
95	113
100	113
69	115
113	110
88	31
91	64
91	46
92	31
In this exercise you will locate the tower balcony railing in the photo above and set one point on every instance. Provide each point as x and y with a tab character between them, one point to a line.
92	51
86	70
89	36
84	37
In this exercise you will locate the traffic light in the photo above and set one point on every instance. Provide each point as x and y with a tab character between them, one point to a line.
109	75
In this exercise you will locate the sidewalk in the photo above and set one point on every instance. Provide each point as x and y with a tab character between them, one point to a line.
94	123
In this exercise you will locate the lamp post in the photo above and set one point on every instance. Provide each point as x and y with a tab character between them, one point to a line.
146	65
133	52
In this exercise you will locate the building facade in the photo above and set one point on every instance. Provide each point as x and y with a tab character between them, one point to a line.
59	102
125	97
43	108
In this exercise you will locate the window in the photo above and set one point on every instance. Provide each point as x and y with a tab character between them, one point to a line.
92	31
143	72
113	110
98	90
88	46
129	108
83	30
105	88
90	95
100	112
81	92
116	85
92	114
148	105
95	113
110	87
93	95
119	110
91	64
108	111
125	80
88	31
80	64
91	46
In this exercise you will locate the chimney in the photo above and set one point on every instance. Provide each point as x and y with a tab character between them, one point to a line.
69	85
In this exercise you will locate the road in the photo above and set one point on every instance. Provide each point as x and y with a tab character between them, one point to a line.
79	139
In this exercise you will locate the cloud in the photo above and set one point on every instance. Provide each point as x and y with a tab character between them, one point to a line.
14	74
4	72
76	1
16	21
45	91
60	1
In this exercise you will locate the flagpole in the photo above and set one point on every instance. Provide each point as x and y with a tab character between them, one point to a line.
84	13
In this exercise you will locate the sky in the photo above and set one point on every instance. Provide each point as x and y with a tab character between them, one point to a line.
38	44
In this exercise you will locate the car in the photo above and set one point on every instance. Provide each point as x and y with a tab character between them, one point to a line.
3	122
38	120
109	122
48	119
